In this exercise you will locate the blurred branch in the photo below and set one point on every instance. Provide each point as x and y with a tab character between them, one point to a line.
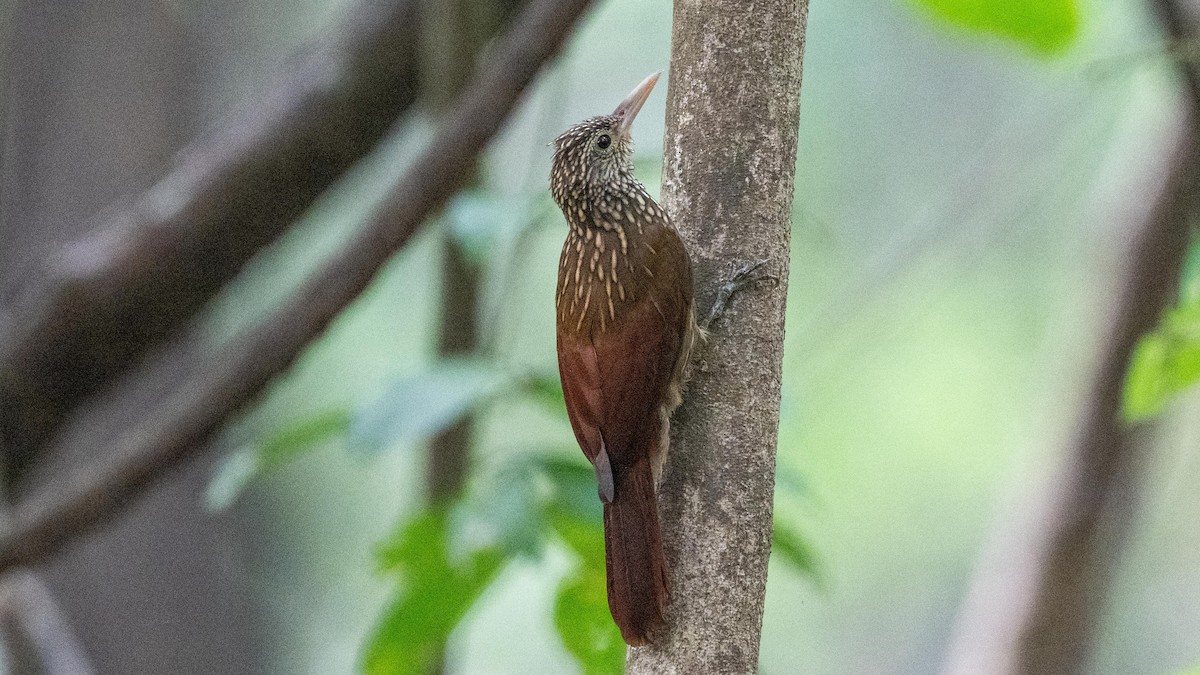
458	336
1172	15
238	373
36	624
455	32
103	301
1039	589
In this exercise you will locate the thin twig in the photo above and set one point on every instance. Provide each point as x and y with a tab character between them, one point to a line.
241	371
27	605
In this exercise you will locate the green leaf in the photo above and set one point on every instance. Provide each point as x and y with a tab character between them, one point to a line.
546	390
581	613
553	493
438	589
478	220
306	434
581	609
505	504
582	535
584	623
508	503
573	485
1046	27
1163	364
287	442
419	406
794	549
1145	391
1167	361
420	544
1184	348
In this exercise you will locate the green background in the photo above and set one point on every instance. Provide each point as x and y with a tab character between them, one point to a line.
968	177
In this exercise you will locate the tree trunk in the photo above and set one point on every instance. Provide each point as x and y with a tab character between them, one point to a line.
729	161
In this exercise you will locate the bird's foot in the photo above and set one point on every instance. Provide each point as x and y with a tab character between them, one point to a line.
742	279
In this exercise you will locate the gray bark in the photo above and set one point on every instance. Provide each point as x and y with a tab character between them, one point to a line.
733	107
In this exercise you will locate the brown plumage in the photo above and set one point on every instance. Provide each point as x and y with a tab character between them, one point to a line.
625	330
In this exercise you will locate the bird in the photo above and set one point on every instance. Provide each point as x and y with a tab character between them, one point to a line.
625	329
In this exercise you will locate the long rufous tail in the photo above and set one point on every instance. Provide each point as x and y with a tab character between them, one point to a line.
637	567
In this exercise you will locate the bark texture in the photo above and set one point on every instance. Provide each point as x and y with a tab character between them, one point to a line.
733	108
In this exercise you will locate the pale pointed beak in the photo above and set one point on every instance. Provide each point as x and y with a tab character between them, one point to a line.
629	108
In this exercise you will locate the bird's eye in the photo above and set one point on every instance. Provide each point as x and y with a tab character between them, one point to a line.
604	141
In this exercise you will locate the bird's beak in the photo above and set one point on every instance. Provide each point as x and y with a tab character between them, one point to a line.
629	108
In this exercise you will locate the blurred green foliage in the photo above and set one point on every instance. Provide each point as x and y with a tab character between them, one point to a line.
1046	27
581	609
795	550
446	556
284	443
958	233
1167	361
439	585
419	406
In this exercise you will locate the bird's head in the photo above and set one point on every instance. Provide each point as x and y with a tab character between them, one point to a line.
594	155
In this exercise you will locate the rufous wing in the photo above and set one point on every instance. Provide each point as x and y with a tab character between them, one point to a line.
614	382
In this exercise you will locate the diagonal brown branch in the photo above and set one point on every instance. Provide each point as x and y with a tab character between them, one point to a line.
148	266
1096	490
1037	597
241	371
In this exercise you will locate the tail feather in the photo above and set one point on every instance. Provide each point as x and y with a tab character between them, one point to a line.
637	567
